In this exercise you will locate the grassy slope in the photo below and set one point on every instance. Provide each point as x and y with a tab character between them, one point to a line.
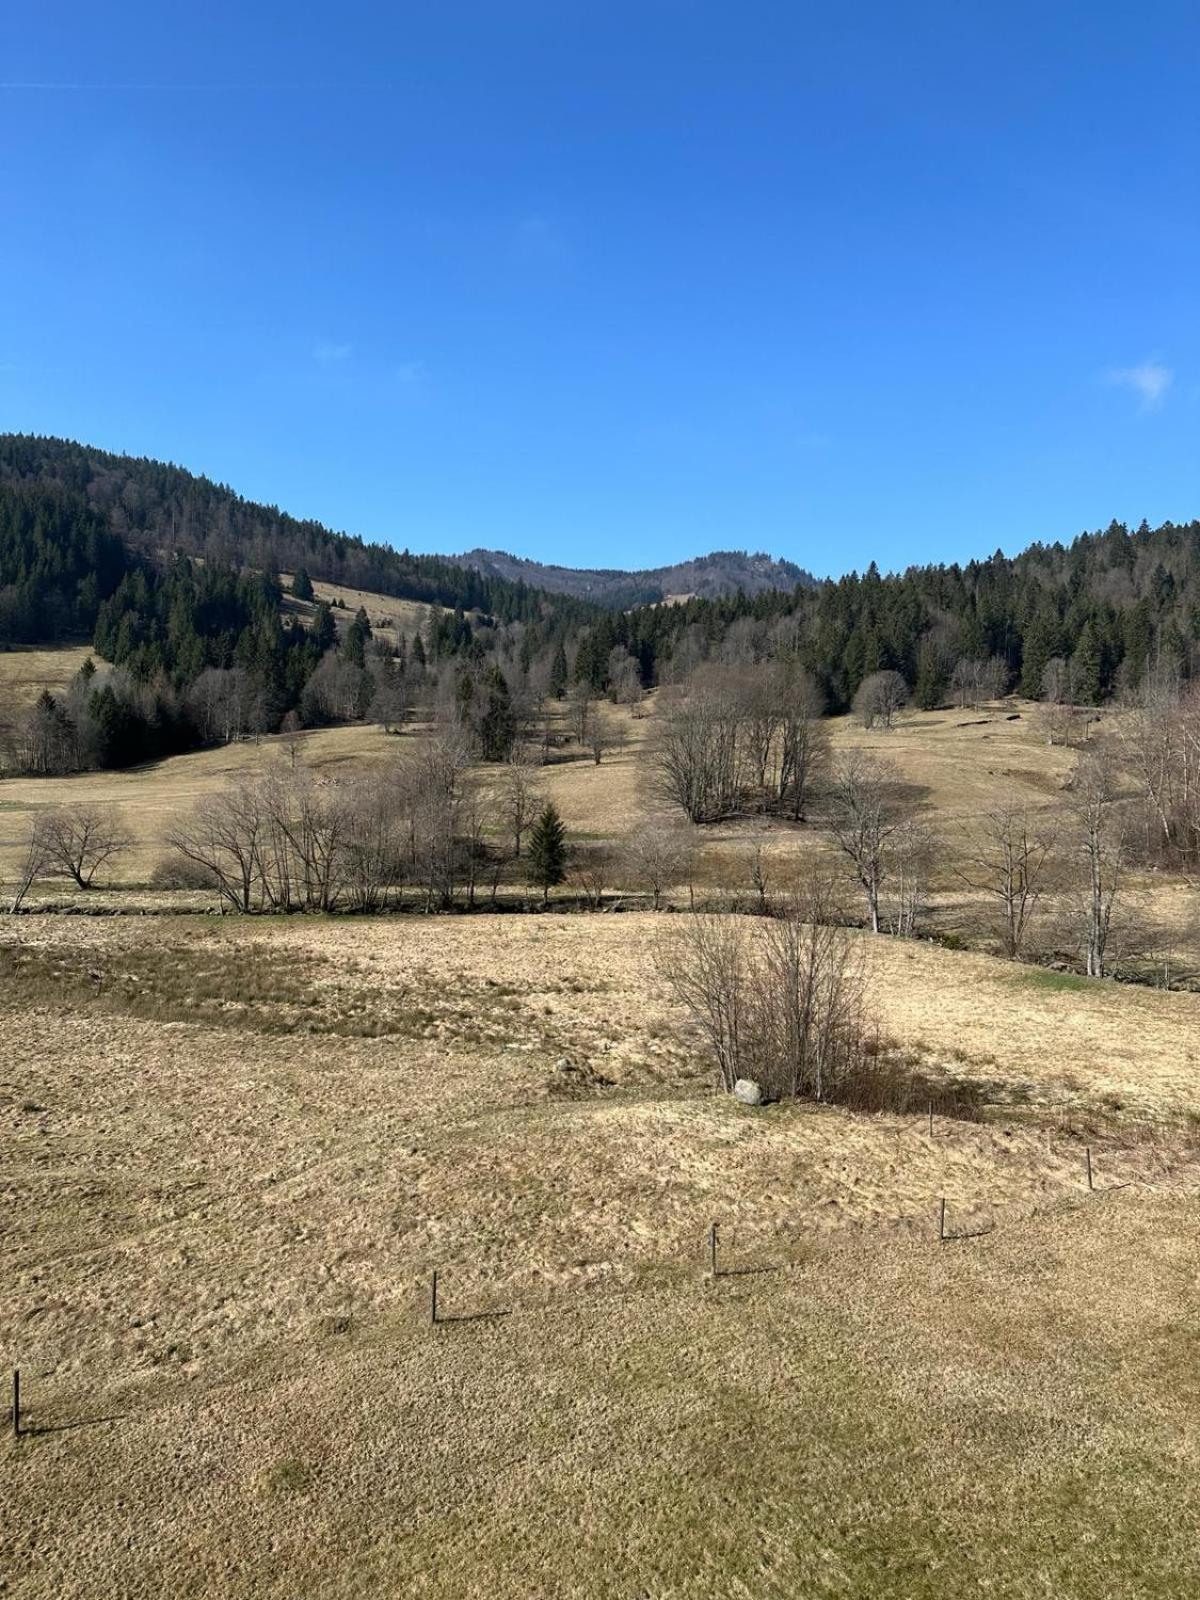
220	1230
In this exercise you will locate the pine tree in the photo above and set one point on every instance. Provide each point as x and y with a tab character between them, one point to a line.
302	584
548	851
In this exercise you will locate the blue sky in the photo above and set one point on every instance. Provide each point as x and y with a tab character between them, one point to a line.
614	284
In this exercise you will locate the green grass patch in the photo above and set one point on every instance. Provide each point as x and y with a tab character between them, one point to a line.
1052	982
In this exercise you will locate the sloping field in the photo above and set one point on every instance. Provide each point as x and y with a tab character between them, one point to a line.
387	615
24	674
231	1153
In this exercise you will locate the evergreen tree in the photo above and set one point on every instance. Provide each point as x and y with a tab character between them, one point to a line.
548	851
558	672
302	584
497	726
930	687
1042	644
354	641
324	631
1086	668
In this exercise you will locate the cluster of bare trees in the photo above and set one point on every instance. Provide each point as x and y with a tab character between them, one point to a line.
291	839
734	739
975	682
1159	738
778	1000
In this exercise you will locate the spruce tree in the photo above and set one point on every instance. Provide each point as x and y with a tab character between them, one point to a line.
548	851
302	587
558	673
498	722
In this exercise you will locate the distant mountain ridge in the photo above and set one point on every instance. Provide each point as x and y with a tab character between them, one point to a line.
704	577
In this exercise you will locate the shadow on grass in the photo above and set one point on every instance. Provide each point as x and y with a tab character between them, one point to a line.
37	1430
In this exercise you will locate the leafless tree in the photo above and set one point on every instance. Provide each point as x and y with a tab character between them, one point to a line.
518	796
222	702
224	837
879	698
975	682
580	704
705	962
82	838
1009	858
911	849
1097	833
1057	716
803	737
779	1000
389	694
1159	741
658	857
591	872
35	858
809	1006
759	872
865	813
696	753
604	734
624	677
373	840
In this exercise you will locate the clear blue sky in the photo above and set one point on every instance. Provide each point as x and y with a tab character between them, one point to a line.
617	283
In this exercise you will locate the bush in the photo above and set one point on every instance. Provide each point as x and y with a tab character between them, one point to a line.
177	872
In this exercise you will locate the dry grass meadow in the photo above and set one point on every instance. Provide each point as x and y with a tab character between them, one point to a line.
232	1151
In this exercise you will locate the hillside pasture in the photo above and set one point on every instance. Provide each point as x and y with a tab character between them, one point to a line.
234	1151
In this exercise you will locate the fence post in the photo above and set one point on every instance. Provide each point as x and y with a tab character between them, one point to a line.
942	1220
931	1119
433	1298
712	1248
1087	1151
16	1403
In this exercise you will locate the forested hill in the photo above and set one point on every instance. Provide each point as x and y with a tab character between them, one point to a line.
705	577
1092	617
159	510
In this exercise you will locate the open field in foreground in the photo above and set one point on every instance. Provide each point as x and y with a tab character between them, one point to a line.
232	1152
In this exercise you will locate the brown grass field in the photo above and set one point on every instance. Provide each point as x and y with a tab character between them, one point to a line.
232	1151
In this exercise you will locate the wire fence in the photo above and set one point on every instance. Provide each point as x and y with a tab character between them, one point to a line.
718	1259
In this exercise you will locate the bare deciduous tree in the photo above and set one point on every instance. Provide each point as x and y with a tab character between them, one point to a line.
580	705
778	1000
80	839
1009	859
659	857
803	737
975	682
705	961
592	871
1098	836
224	838
34	860
519	796
865	812
696	757
879	698
604	734
912	850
